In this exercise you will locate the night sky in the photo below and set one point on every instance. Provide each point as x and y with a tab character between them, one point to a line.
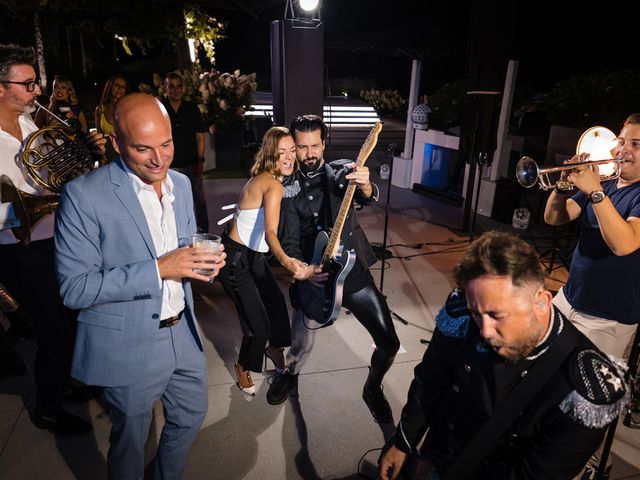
550	45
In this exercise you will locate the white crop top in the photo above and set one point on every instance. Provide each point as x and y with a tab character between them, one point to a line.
250	227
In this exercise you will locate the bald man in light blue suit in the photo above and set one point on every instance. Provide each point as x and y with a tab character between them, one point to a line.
123	259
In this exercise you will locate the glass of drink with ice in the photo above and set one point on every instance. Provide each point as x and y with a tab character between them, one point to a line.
205	240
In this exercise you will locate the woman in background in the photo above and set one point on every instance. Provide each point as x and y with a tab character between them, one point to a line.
115	88
64	96
247	278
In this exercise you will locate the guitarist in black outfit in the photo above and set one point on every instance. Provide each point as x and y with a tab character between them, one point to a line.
310	203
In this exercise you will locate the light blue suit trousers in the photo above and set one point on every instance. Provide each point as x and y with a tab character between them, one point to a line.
177	377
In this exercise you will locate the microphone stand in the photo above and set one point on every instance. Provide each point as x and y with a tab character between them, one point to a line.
384	254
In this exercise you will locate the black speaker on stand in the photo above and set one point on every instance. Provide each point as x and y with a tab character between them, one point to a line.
297	68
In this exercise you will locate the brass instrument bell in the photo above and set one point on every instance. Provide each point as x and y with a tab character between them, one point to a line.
598	142
27	208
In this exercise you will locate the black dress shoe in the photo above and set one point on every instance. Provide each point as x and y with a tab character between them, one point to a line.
63	424
378	404
279	389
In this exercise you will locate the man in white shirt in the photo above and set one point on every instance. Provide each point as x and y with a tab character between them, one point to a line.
28	272
124	259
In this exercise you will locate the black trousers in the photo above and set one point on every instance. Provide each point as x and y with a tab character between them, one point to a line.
261	306
29	275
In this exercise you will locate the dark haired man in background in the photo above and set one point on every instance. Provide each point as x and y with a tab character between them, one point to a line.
28	272
187	130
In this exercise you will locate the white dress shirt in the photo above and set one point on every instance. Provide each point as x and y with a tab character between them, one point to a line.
162	224
12	166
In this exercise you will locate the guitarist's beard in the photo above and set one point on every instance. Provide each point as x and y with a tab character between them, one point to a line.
308	167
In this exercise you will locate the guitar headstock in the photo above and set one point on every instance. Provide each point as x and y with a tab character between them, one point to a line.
369	144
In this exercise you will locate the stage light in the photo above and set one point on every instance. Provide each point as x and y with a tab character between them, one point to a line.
309	5
306	12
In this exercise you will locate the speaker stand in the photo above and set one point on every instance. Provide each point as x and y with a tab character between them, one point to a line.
483	159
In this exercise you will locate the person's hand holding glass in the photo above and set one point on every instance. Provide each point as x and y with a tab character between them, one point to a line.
208	242
201	260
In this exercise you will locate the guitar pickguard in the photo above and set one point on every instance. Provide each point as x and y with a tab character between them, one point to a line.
323	304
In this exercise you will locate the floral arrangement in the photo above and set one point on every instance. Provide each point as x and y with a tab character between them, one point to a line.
223	98
385	102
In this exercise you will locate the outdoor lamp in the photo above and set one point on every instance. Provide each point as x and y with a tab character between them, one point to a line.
600	143
420	116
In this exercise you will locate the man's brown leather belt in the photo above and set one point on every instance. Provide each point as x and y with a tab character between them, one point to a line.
171	321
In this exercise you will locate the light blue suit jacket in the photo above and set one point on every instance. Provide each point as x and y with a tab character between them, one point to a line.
105	261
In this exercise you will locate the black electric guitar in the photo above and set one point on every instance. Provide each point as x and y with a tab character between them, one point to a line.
323	304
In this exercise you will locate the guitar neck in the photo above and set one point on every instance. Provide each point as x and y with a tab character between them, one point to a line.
336	232
334	240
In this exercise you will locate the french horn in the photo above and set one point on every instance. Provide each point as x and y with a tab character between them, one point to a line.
52	156
55	155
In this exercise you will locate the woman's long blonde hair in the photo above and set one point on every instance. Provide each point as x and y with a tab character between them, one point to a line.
268	155
73	98
106	90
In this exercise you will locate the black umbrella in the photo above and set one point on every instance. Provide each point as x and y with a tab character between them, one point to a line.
416	38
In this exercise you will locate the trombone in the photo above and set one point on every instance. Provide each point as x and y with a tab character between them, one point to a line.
596	141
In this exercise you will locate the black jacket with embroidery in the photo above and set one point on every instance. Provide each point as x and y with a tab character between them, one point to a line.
459	383
303	212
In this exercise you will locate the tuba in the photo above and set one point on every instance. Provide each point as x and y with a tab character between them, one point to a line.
52	156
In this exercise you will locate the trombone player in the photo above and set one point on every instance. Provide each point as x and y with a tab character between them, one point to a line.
28	272
601	296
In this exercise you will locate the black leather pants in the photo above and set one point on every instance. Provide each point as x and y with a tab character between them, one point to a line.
370	309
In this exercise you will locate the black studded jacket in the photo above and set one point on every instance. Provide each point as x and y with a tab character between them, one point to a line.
460	382
311	203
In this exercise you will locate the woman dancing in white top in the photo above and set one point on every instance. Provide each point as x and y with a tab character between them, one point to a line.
247	278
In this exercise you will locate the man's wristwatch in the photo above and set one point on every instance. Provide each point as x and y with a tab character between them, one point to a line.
597	196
